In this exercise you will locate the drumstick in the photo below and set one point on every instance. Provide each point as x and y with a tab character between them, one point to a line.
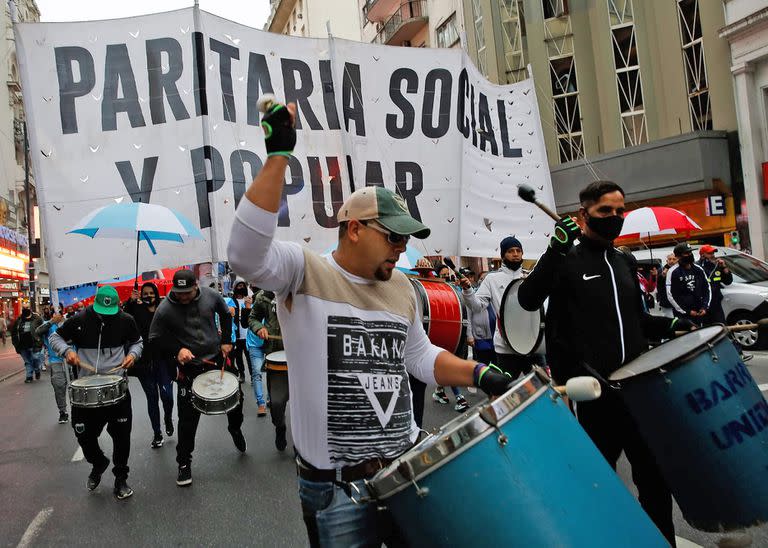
115	369
580	389
528	194
737	327
88	367
449	263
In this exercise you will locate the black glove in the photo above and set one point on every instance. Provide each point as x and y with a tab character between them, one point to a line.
491	380
681	324
279	133
565	234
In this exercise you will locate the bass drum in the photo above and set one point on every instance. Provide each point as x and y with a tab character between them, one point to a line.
443	314
522	330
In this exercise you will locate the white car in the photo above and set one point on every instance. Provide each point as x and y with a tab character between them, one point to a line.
744	301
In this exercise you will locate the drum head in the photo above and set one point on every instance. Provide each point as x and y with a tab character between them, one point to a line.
669	352
520	328
212	386
277	357
93	381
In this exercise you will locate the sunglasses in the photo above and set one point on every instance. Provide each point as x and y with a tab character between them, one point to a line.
392	237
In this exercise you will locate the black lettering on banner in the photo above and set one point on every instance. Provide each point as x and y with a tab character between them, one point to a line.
259	82
402	170
318	190
351	171
461	104
300	92
329	97
141	194
118	74
472	114
486	127
444	109
69	89
506	150
164	83
411	80
201	158
226	54
373	175
237	161
352	99
293	185
199	76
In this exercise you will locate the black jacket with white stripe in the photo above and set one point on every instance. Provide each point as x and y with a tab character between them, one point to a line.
595	312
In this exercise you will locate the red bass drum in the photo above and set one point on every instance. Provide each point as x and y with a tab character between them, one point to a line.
443	314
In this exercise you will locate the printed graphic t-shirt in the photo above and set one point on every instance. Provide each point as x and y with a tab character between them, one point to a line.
350	344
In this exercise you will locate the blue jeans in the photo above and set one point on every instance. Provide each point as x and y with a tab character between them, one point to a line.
33	361
155	380
333	520
257	361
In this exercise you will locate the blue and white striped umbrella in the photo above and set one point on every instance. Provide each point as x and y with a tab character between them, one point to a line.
406	262
148	222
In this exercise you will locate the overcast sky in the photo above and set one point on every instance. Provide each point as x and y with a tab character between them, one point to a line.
253	13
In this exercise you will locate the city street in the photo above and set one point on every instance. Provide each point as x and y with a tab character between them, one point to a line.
235	500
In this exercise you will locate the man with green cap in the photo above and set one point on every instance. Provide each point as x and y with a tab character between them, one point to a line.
352	334
103	337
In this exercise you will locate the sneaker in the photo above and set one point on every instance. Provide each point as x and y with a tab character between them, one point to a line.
168	426
262	412
461	404
37	375
44	368
28	380
157	441
122	489
185	476
239	440
439	396
94	478
63	418
280	442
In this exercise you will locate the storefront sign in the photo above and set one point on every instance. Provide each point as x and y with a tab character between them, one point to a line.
715	206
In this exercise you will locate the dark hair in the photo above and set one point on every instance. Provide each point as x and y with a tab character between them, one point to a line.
343	225
594	190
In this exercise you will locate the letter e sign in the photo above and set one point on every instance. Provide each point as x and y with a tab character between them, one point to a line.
715	206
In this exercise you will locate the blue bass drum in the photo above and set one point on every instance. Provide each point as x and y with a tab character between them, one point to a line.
527	475
706	422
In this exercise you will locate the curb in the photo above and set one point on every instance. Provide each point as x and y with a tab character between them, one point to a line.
9	375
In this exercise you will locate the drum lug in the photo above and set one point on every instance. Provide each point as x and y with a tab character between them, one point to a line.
712	352
489	417
406	470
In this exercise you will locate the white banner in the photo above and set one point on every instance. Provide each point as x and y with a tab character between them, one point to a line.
162	109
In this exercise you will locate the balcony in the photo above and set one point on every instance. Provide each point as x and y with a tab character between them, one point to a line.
409	18
378	11
18	133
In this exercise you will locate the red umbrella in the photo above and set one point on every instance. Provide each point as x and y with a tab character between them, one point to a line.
656	220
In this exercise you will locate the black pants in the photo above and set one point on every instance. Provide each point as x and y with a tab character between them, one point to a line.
417	397
485	356
238	351
189	417
277	388
514	364
612	429
157	384
88	424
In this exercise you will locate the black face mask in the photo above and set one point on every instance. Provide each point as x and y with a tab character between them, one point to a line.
241	292
686	259
26	313
512	265
607	228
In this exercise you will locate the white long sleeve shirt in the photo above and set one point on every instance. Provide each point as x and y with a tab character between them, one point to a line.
349	342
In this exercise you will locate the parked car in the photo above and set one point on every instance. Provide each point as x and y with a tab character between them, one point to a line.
744	301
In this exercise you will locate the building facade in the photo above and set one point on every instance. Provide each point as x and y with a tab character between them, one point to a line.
311	18
412	23
637	91
746	30
14	220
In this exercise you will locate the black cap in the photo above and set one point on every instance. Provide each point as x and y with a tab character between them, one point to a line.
184	281
682	249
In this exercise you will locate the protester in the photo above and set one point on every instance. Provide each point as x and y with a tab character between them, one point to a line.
688	289
56	365
255	346
26	342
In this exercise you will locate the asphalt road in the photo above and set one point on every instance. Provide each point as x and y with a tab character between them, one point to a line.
235	500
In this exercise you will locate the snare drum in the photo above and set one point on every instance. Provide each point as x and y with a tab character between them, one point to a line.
276	361
706	422
522	330
443	313
97	390
529	476
214	394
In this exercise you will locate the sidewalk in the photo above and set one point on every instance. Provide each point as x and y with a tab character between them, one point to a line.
10	362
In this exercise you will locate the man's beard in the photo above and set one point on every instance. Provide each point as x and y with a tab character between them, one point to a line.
383	274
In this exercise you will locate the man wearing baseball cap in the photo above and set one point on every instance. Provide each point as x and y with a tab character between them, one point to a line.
352	335
102	339
688	289
718	275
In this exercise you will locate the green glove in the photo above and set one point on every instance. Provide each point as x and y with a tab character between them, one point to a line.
279	133
565	234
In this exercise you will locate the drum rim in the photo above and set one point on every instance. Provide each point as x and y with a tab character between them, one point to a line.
678	361
504	329
277	362
426	309
209	412
205	398
469	429
75	383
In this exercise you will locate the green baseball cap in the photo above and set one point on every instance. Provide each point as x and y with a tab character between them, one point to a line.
389	210
107	301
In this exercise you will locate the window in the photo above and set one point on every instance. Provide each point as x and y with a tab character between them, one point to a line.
565	96
513	39
447	35
695	67
477	14
555	8
628	82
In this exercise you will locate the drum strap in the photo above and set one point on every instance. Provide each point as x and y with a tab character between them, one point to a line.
597	375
